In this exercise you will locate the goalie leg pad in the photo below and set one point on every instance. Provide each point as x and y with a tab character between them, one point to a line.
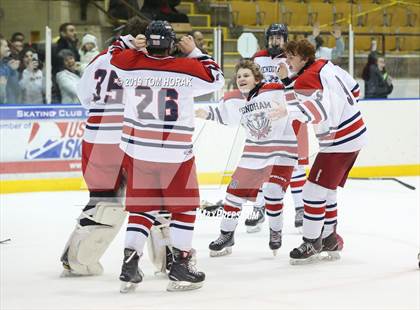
158	242
88	243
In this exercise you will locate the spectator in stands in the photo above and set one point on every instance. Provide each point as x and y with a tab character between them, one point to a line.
199	41
68	40
68	77
32	81
25	57
17	43
4	69
164	10
9	75
88	51
326	52
18	36
378	84
119	10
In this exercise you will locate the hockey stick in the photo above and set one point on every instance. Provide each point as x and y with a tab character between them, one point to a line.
387	179
5	240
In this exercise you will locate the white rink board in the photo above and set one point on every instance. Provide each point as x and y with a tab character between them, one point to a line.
379	222
393	131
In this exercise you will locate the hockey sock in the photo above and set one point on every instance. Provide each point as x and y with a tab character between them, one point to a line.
181	230
314	199
231	212
330	213
259	202
275	216
138	229
296	185
273	195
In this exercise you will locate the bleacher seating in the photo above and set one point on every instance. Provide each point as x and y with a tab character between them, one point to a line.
371	19
243	12
269	12
320	12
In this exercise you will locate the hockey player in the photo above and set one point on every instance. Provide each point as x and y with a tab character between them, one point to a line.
269	60
102	160
157	139
325	96
269	154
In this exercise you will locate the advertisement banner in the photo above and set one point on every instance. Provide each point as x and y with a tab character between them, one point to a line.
41	138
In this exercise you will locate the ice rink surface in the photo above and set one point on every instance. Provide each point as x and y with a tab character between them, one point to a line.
379	221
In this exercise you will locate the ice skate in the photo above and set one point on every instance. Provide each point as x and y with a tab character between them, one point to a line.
223	245
307	252
299	217
131	274
183	275
255	219
211	209
275	241
332	246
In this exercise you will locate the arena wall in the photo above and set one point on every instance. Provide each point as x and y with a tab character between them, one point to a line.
40	145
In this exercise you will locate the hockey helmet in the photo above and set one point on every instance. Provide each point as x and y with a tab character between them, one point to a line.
275	29
160	35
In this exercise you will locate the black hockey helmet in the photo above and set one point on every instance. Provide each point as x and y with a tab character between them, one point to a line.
276	29
160	35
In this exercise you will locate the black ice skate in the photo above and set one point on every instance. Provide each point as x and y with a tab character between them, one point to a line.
183	275
131	274
299	217
275	241
307	252
332	246
222	245
255	219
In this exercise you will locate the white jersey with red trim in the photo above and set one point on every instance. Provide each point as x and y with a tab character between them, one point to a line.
99	92
267	142
158	96
326	96
269	65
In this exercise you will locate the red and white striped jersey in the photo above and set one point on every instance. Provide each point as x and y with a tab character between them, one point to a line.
99	92
267	142
326	96
158	96
269	65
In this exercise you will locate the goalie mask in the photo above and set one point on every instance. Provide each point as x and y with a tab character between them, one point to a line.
160	35
275	30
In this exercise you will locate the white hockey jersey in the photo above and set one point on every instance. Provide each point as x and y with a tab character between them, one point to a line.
100	93
269	65
325	95
268	142
158	96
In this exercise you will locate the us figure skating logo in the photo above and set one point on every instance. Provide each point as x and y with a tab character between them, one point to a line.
259	125
55	140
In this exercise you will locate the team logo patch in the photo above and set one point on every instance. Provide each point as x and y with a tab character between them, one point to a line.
259	125
234	184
